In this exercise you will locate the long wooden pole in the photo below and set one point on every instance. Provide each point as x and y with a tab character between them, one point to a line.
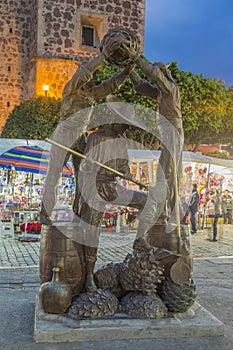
177	207
80	155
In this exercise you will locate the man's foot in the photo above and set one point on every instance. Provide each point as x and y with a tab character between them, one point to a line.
193	232
213	240
141	245
90	285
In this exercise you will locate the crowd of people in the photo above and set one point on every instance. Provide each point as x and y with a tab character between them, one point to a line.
222	207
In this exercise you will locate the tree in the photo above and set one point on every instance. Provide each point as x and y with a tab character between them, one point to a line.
207	110
142	104
226	135
33	119
216	154
204	104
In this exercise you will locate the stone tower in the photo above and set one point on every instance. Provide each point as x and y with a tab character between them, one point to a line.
42	41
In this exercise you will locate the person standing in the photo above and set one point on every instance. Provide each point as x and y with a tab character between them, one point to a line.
193	208
227	205
217	212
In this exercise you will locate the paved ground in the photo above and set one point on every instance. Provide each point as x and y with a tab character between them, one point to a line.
213	267
114	247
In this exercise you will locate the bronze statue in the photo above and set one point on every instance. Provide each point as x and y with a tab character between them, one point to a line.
99	187
154	260
165	231
169	119
78	97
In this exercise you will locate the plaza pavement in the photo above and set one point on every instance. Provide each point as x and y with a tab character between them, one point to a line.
115	246
19	283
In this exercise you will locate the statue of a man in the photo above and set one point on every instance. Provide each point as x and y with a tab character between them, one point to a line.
99	187
161	86
78	97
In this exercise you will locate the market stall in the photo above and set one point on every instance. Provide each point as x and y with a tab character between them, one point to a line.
22	174
21	184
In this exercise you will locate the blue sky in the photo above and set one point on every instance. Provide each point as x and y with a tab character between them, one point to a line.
198	34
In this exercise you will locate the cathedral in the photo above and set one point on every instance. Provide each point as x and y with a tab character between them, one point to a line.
43	41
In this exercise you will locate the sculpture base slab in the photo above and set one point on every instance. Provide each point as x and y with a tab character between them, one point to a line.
196	322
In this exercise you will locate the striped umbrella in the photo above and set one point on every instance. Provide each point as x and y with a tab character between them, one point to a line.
31	159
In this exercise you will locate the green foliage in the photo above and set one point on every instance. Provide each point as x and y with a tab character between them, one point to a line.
207	107
207	110
33	119
226	135
204	102
125	92
216	154
142	104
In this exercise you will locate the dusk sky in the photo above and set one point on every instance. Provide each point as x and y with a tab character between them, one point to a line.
198	34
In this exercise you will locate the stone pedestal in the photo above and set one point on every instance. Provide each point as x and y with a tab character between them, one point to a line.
196	322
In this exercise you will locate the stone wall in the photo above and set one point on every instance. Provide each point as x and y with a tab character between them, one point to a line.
60	22
17	32
60	34
40	42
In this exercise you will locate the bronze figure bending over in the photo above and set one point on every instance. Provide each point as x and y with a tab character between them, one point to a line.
78	97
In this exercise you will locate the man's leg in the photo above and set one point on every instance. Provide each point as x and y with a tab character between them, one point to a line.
215	227
230	216
192	220
90	257
152	206
133	199
130	198
90	221
195	222
225	216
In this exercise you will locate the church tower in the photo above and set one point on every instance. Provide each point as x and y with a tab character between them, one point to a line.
42	41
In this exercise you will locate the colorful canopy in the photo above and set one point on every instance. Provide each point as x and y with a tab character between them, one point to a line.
31	159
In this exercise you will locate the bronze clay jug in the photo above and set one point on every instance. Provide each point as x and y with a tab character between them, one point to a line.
55	296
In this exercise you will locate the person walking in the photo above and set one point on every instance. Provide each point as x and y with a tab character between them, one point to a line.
193	208
227	206
216	199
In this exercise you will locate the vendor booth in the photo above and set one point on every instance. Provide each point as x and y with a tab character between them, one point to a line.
23	166
23	169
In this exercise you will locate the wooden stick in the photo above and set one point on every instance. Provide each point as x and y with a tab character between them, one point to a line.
118	173
177	208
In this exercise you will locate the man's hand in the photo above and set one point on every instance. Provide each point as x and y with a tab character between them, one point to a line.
129	68
130	51
111	46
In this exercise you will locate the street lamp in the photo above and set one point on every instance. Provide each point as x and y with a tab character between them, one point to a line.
46	89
